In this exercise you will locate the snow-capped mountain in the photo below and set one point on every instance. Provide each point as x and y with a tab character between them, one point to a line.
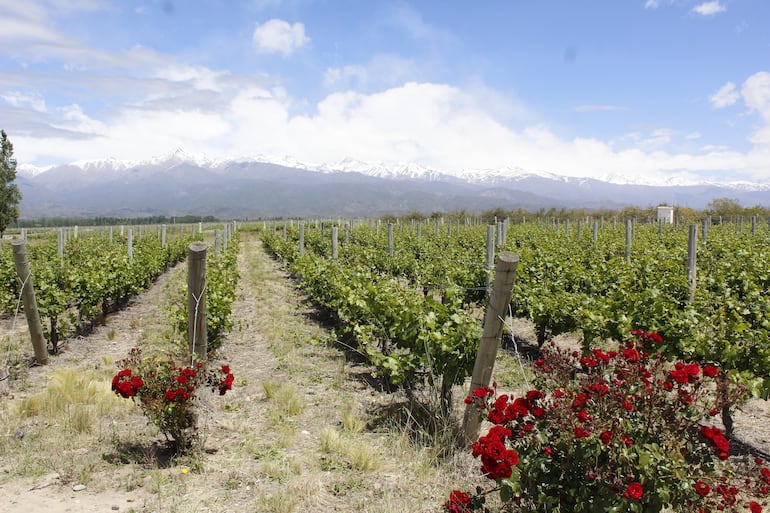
263	186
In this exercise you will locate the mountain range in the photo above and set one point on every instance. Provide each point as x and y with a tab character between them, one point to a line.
262	187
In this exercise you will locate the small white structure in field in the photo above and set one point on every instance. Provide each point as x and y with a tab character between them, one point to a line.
666	214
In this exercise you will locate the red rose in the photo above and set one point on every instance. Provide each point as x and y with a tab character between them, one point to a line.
459	497
702	488
755	507
579	432
634	491
710	371
632	355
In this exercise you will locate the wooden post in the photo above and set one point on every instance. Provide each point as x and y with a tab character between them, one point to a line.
163	236
490	254
506	224
704	229
580	229
566	228
390	239
196	299
30	305
60	244
596	232
628	240
335	251
217	243
130	245
505	272
692	251
301	238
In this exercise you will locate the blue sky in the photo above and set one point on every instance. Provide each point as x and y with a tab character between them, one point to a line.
648	89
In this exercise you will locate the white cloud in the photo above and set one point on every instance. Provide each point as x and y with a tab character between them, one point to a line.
726	95
343	75
19	99
74	119
383	70
199	76
756	95
427	123
279	36
709	8
652	4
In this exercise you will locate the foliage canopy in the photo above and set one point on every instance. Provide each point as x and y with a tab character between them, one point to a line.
10	196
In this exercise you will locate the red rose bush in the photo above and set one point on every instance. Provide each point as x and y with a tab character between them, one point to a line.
167	392
613	431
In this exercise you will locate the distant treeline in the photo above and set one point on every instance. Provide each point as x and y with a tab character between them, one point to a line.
727	208
112	221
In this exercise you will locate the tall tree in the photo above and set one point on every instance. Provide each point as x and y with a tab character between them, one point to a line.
10	195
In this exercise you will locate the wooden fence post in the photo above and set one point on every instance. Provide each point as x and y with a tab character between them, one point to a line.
629	237
490	254
30	305
301	238
692	252
130	245
505	273
335	250
197	329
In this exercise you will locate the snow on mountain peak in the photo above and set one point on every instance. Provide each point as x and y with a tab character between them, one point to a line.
389	170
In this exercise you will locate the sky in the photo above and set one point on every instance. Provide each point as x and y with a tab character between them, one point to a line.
653	89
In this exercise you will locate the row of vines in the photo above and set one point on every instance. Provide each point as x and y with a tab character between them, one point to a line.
95	275
414	303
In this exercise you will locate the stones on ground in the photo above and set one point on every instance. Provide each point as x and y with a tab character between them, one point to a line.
46	481
78	488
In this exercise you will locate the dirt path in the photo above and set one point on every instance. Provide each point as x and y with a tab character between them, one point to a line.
299	431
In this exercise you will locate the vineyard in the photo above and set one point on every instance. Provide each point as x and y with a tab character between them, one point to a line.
411	295
308	425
